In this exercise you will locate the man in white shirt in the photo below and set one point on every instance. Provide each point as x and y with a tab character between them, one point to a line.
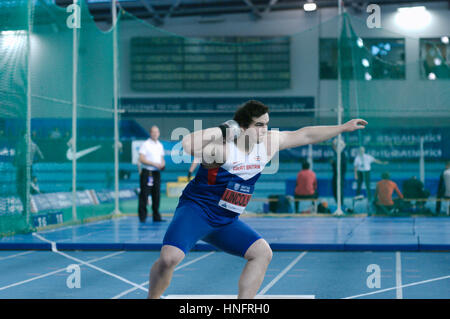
362	166
151	159
444	187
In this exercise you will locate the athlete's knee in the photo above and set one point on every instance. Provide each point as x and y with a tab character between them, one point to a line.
261	250
170	256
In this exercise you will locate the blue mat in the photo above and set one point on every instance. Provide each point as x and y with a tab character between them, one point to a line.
290	233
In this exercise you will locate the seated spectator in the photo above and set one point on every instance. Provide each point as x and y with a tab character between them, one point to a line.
443	188
383	194
414	189
306	187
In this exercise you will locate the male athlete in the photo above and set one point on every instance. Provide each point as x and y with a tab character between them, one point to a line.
233	156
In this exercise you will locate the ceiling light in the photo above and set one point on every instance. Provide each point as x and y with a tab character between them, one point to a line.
310	6
431	76
444	40
15	32
407	9
413	18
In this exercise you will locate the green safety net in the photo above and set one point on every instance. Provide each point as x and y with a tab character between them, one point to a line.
41	56
41	130
14	63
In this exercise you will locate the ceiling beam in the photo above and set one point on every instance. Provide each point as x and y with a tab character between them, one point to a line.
156	18
255	12
160	11
172	9
270	5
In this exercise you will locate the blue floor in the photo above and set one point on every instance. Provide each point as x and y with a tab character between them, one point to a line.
322	257
124	274
282	233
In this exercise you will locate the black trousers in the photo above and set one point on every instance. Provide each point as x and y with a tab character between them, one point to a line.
21	186
147	190
366	177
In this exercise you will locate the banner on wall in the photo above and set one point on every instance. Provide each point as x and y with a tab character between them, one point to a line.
214	104
387	144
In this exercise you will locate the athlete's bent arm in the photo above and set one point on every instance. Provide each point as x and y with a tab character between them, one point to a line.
194	143
317	134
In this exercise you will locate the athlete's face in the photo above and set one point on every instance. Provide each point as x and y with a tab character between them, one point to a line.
258	128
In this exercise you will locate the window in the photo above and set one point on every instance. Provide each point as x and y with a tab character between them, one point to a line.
435	58
363	59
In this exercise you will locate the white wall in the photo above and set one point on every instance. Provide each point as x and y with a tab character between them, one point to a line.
51	52
401	95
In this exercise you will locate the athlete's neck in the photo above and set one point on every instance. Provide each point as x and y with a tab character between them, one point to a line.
244	143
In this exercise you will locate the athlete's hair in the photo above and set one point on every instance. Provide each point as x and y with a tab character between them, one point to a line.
250	109
385	175
305	165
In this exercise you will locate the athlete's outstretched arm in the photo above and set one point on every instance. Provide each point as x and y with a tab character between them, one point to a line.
317	134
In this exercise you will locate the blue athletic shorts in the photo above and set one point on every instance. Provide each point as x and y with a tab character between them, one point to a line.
191	223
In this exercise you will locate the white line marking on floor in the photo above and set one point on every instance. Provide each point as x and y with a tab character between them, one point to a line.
17	255
281	274
52	243
55	250
101	270
55	272
403	286
76	226
235	297
398	275
126	292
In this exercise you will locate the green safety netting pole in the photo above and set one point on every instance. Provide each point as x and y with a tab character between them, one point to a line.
74	112
339	116
116	115
27	203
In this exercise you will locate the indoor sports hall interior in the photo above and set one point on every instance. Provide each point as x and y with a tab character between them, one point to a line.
83	81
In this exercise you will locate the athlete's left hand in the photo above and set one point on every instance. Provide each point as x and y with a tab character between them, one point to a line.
355	124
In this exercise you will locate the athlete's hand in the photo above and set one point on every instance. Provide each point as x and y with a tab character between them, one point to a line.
233	130
355	124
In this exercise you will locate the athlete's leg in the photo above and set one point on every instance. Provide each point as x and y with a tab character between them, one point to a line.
162	270
187	226
239	239
258	258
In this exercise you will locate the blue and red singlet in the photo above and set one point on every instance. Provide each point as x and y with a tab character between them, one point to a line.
211	203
